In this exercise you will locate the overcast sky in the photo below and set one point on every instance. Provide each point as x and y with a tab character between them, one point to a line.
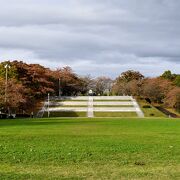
97	37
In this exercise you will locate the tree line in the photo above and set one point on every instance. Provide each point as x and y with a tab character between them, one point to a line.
22	85
164	90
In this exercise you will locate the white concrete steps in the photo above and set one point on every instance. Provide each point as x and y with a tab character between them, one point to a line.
68	109
138	109
125	98
69	103
90	105
90	112
113	103
115	109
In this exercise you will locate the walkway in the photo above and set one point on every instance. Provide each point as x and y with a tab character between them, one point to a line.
90	112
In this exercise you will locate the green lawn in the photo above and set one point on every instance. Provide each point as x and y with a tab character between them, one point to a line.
82	148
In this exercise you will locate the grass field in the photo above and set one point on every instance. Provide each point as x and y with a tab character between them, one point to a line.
119	148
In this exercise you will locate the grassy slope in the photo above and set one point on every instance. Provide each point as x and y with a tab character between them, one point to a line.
115	114
173	111
149	111
90	148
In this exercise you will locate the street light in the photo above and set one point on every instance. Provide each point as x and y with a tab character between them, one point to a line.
48	106
59	87
7	66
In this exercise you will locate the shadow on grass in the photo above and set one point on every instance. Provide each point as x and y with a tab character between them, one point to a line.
66	114
46	122
21	176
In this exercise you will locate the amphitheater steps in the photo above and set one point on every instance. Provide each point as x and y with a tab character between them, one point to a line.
91	104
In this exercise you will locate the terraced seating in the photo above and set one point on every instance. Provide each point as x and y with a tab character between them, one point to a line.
91	106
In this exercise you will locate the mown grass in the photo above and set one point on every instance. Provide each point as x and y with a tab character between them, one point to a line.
65	114
150	112
90	148
115	114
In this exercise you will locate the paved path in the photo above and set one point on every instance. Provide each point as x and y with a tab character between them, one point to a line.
90	112
138	109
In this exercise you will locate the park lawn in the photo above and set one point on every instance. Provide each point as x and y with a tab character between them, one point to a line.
82	148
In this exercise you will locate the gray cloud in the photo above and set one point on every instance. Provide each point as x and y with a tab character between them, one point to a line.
104	37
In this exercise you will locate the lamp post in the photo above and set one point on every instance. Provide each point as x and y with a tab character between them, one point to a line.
48	105
59	88
6	67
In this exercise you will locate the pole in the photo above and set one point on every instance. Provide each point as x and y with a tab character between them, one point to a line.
59	88
6	67
48	105
6	86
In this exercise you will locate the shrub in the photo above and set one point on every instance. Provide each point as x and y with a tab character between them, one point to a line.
146	106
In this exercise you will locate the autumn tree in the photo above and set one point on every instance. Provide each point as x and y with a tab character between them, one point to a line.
103	85
172	99
15	95
175	78
130	75
128	83
2	93
70	83
87	83
37	79
156	89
